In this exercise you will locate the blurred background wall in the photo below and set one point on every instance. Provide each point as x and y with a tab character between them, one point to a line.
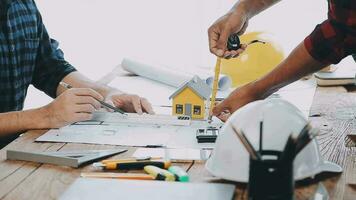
96	34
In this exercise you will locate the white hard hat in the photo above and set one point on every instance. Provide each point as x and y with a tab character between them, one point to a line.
230	159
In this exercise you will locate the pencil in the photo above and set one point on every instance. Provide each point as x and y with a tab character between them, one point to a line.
253	153
289	151
104	104
304	141
261	136
131	176
132	159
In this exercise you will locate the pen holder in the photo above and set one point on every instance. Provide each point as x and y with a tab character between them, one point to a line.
270	179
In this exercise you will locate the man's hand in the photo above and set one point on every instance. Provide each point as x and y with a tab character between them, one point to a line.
130	103
238	98
71	106
233	22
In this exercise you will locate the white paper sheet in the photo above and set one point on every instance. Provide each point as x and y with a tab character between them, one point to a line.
300	94
171	76
130	135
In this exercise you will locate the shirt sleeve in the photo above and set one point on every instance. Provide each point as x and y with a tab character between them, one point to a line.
51	66
328	43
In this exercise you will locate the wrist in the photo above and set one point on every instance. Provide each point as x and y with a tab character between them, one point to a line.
34	119
241	8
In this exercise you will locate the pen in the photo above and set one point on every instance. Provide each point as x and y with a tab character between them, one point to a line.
131	176
131	165
104	104
261	136
253	153
289	150
304	132
305	140
147	158
159	174
154	146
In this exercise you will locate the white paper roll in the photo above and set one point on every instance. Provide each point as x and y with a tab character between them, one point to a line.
170	76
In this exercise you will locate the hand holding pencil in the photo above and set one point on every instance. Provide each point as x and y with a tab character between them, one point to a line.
71	106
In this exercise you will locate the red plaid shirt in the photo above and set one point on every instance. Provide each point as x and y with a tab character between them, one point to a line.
335	38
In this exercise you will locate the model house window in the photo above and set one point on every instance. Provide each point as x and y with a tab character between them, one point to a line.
179	109
197	110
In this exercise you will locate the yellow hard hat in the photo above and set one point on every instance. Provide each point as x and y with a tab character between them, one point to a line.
257	60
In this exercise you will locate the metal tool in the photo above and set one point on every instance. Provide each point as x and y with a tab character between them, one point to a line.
233	44
67	158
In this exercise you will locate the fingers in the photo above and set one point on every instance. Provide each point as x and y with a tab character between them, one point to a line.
136	102
147	106
213	34
235	54
118	102
88	92
221	111
243	29
220	108
83	116
222	41
110	103
224	116
84	108
88	100
218	40
132	103
220	31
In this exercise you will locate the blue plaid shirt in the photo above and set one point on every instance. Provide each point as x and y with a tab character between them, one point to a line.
27	55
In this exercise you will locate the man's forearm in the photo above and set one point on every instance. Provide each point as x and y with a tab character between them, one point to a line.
19	121
253	7
298	64
78	80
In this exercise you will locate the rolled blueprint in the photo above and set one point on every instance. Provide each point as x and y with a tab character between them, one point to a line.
170	76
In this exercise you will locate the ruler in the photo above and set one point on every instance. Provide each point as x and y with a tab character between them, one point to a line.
136	119
215	88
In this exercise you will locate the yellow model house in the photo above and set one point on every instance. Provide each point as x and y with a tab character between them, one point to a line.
190	98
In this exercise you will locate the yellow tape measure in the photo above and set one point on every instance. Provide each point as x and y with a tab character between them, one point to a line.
215	88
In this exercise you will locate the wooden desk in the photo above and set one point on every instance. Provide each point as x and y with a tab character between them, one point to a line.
333	111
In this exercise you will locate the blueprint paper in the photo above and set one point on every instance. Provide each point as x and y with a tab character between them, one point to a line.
300	94
130	135
170	76
110	135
